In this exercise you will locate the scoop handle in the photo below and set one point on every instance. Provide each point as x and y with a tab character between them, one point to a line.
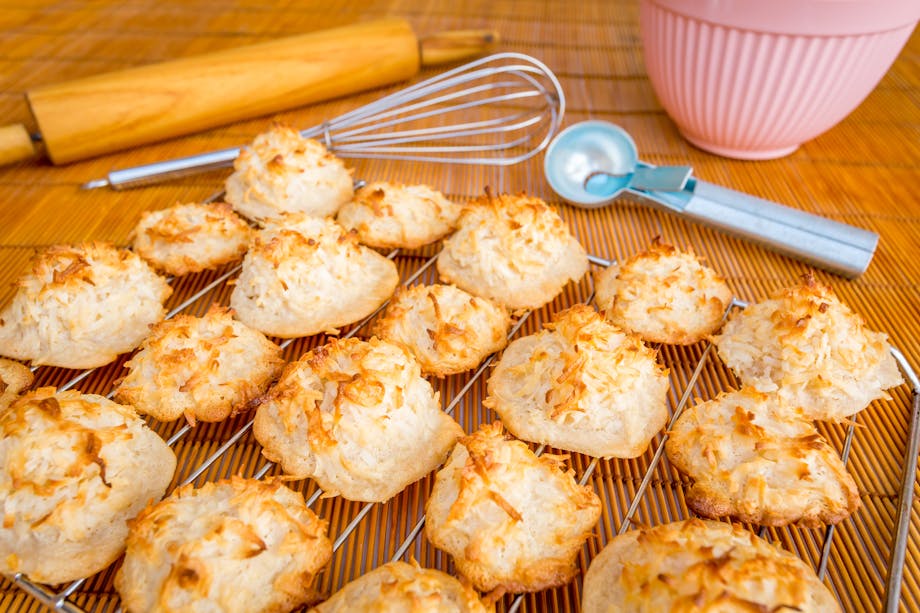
837	247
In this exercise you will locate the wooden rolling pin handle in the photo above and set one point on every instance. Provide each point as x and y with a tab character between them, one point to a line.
136	106
455	45
15	144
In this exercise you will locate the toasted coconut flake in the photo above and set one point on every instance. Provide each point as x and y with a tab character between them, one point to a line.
14	379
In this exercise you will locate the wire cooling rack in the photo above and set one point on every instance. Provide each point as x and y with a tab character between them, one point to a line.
637	492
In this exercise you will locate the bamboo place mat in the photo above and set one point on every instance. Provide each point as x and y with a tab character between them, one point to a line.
864	172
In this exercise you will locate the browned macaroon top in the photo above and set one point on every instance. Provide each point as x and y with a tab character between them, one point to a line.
449	330
236	545
75	468
581	384
404	588
512	521
758	459
807	345
79	306
189	238
514	249
700	565
203	368
664	294
357	417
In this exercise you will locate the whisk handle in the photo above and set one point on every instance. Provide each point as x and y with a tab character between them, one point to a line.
454	45
156	172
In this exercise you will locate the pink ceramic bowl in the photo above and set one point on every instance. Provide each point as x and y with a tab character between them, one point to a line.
754	79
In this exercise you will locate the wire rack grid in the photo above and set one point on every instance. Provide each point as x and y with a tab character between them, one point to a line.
642	491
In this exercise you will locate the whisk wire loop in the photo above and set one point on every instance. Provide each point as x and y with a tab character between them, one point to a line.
495	111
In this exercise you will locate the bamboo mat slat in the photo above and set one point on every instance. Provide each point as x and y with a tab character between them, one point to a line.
865	172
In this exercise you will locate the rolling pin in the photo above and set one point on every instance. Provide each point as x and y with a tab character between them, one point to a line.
109	112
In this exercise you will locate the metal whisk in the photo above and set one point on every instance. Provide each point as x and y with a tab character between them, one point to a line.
496	111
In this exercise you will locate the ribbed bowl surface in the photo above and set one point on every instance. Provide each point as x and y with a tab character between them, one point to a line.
758	95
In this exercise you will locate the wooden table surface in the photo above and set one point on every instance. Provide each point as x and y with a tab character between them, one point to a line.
865	171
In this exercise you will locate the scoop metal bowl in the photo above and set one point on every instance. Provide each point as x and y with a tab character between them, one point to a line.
589	164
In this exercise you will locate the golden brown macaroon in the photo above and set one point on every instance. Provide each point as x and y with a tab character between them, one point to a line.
810	348
393	216
515	250
283	172
14	378
305	275
204	368
583	385
512	521
449	330
237	546
700	565
189	238
664	295
80	306
756	459
397	587
75	468
358	418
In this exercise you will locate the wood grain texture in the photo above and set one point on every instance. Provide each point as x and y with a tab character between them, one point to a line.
15	144
111	111
865	171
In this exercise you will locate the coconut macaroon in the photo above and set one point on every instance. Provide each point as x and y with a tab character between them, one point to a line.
400	587
305	275
663	294
75	469
188	238
810	348
583	385
512	521
449	330
283	172
204	368
515	250
756	459
238	545
14	378
80	306
392	216
700	565
358	418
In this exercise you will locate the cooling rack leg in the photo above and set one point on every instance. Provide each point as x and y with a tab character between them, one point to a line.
905	500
